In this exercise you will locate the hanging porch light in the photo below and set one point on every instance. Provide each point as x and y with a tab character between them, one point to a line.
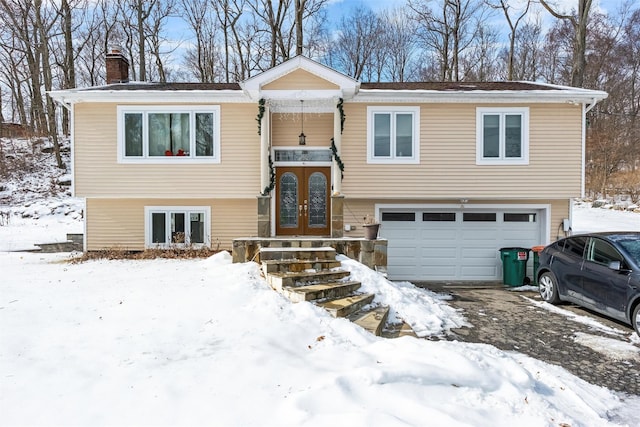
302	139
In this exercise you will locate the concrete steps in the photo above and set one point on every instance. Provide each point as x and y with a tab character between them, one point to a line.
282	279
373	320
73	243
343	307
314	275
320	291
277	266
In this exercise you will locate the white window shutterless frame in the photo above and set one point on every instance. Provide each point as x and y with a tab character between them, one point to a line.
502	136
168	134
177	226
393	135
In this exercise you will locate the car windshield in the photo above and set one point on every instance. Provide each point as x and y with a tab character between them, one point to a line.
633	248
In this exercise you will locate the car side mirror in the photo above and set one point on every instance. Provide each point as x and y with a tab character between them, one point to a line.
617	266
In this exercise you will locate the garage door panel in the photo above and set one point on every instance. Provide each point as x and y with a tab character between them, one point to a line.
460	250
404	252
482	235
483	254
437	233
439	252
402	262
515	234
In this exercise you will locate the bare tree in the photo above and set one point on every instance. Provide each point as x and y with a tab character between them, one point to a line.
306	11
513	27
98	30
359	37
481	62
44	28
275	17
555	64
203	58
448	30
399	43
26	40
14	77
579	25
154	30
527	52
228	13
613	65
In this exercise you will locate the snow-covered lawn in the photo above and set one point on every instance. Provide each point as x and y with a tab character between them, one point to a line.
207	342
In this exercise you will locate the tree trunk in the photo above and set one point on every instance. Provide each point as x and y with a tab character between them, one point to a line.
48	81
299	9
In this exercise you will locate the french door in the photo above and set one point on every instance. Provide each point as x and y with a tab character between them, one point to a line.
302	201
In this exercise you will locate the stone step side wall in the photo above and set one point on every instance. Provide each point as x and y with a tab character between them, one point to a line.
372	253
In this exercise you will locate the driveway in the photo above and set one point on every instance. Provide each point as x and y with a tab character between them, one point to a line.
594	348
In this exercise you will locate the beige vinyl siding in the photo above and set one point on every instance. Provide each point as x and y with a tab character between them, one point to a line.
300	79
448	157
98	174
119	223
285	128
356	209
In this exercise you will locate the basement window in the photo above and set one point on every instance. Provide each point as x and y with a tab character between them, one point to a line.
179	226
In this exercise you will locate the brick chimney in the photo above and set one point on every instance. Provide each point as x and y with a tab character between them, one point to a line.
117	66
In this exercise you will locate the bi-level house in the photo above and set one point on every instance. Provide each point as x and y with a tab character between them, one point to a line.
453	171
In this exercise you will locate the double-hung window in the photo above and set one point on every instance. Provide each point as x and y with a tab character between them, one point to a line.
168	134
177	226
393	134
502	136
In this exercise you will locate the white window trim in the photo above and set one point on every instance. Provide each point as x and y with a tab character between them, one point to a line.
415	159
480	112
144	110
148	232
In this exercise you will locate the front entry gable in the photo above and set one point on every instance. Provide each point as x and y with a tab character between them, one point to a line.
300	78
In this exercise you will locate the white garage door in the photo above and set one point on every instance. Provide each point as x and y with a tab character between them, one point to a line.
456	244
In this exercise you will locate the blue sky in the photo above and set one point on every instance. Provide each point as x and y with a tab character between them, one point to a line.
337	7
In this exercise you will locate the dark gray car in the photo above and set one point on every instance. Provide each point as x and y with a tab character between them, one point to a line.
599	271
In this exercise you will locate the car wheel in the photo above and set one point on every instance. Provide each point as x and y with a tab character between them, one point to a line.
548	287
635	319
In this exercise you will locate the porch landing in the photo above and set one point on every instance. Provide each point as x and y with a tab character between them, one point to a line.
372	253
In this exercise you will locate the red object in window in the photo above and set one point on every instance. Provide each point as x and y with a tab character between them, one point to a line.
168	153
180	153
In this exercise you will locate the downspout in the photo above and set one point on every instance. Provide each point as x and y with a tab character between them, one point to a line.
585	109
337	139
265	133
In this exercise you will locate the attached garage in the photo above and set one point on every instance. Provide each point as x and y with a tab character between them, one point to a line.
458	242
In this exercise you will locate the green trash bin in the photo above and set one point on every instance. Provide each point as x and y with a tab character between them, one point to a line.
514	265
